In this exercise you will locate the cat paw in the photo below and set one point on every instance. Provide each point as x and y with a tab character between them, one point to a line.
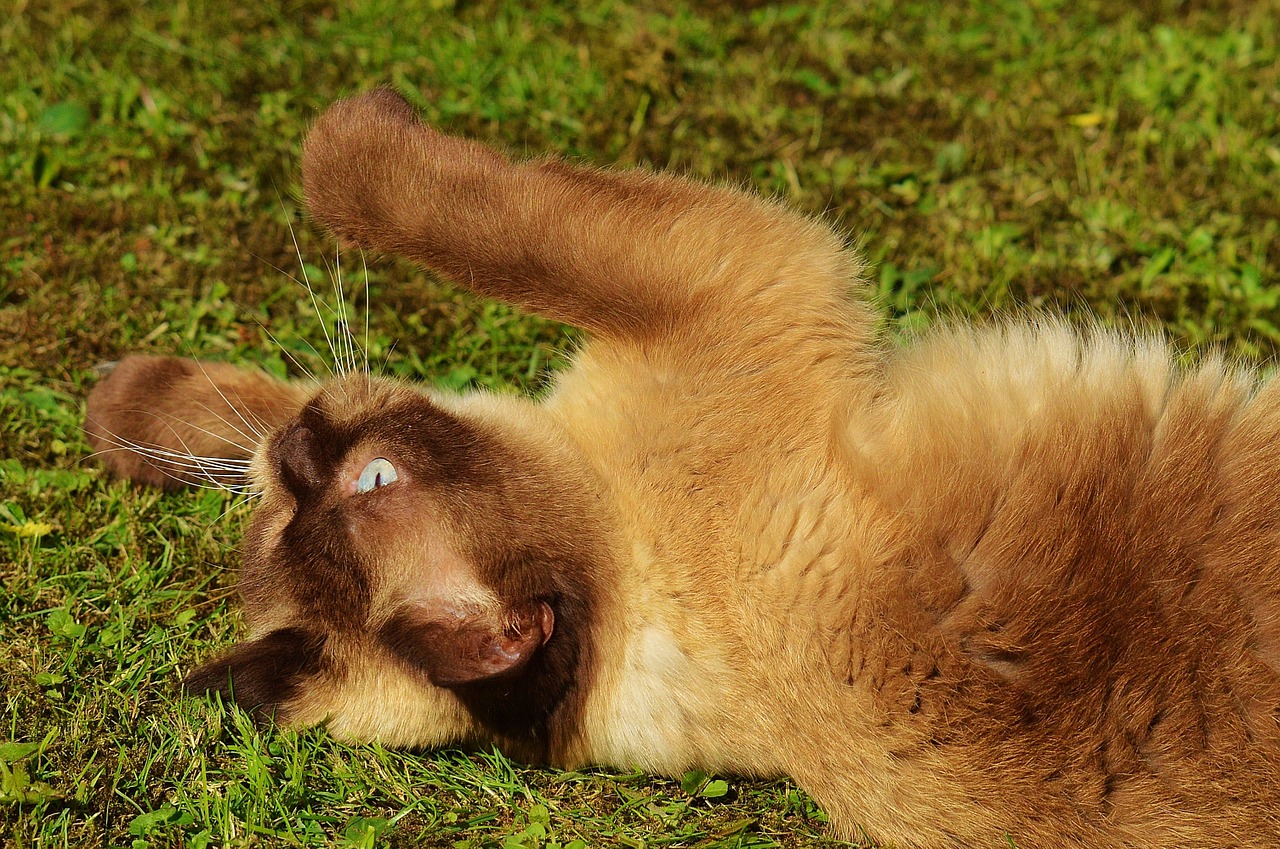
374	172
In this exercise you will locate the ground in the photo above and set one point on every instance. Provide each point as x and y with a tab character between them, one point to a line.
1117	160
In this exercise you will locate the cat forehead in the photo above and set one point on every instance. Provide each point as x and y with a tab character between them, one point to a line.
324	451
352	405
360	412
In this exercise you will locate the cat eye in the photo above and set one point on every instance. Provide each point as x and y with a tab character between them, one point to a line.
377	474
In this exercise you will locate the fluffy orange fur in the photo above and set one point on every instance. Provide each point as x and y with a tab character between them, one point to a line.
1020	582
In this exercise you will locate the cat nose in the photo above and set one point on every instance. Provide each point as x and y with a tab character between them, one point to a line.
295	453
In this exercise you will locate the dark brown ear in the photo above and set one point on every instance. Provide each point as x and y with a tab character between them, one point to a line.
467	650
168	421
262	675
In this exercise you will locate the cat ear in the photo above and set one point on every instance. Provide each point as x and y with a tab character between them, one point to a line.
263	674
457	650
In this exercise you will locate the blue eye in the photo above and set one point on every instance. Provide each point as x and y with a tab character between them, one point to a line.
377	474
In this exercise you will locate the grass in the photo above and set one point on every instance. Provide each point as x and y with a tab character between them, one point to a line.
1095	158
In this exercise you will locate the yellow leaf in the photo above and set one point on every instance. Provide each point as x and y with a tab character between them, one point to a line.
1086	119
29	528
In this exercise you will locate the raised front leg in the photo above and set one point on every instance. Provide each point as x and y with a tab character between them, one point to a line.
623	254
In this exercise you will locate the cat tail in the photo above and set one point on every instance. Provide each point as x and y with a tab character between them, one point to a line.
618	253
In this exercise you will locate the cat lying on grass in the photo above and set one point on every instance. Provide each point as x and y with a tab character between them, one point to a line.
1017	583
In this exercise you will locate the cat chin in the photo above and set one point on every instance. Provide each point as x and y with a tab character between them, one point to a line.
385	708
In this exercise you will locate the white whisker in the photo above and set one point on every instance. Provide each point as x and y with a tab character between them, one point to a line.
262	426
299	336
310	376
240	500
348	338
223	465
386	358
254	436
368	308
259	436
306	371
169	420
194	472
152	454
307	281
239	491
347	341
204	465
230	463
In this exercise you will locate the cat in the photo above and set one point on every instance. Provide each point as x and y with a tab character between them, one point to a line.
1015	583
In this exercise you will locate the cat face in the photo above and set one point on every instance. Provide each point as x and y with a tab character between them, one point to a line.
407	577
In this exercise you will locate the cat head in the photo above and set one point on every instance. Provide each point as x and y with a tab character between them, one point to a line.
422	570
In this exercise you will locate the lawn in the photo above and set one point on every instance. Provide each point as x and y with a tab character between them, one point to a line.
1095	158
